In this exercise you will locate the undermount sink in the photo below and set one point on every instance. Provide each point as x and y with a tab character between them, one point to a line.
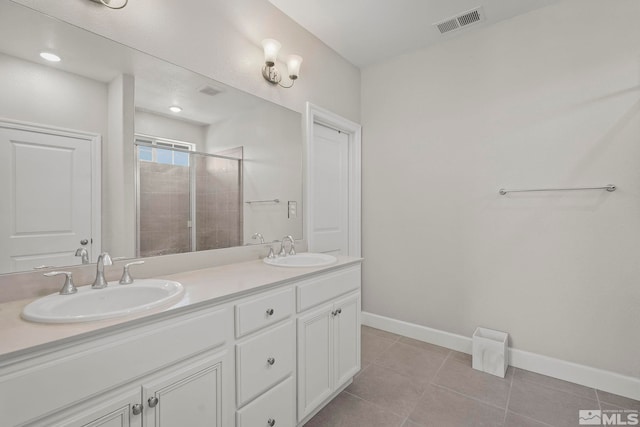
96	304
305	259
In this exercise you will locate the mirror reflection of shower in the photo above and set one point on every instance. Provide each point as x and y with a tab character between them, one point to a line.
185	200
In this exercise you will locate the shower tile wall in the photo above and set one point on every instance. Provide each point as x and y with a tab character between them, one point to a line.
218	203
164	209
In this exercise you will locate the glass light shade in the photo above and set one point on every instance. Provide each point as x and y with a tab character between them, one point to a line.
293	65
271	49
51	57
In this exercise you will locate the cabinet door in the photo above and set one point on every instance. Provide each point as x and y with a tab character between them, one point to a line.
315	354
108	411
346	331
192	395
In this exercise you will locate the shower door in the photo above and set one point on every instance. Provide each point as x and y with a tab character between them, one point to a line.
186	201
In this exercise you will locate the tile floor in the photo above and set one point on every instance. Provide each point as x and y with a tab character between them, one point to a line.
409	383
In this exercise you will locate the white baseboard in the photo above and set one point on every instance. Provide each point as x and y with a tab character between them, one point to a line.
561	369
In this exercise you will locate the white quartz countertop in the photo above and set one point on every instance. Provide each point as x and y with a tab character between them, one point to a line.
202	287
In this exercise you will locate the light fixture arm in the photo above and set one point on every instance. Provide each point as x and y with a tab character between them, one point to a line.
273	76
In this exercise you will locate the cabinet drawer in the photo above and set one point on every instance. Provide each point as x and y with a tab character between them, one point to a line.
263	311
276	405
315	291
264	360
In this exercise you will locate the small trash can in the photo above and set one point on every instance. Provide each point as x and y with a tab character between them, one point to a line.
490	351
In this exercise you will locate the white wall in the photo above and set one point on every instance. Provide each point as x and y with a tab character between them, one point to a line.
272	167
63	99
221	39
547	99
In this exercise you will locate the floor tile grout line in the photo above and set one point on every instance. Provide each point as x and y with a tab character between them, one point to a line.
397	337
561	391
467	396
426	387
506	409
374	404
441	366
598	398
532	419
375	361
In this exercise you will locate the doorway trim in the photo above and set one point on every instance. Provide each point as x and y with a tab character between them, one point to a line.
315	114
95	141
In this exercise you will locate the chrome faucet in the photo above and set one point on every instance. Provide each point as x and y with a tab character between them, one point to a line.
292	250
258	236
82	252
100	282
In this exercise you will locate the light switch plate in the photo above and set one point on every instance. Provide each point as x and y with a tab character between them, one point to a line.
292	209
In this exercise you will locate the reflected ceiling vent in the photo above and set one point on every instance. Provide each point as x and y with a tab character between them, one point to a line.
209	90
463	20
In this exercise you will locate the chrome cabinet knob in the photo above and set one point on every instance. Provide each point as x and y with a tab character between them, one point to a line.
136	409
271	422
271	361
153	401
339	311
270	312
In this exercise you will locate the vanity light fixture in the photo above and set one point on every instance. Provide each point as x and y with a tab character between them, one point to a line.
175	109
270	72
51	57
113	4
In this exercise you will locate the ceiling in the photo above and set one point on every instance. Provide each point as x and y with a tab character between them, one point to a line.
158	84
369	31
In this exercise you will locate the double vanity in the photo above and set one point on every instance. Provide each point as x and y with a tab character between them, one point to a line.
246	344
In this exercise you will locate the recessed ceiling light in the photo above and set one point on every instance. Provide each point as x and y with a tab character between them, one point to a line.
51	57
175	109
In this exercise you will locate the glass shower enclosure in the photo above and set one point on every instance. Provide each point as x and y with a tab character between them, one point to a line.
185	200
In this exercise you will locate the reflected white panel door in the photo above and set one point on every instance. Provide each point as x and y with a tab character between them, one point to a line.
329	173
45	188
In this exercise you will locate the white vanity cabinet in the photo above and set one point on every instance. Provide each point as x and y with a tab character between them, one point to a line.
185	361
243	361
328	337
190	394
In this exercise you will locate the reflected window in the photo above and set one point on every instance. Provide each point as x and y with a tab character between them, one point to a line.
164	151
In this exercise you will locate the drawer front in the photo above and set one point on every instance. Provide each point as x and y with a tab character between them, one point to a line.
315	291
277	405
263	311
264	360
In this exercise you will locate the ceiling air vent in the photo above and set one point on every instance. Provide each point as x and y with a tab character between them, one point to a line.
209	90
467	18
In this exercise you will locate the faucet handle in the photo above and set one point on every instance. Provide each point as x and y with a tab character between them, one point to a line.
83	254
271	255
68	288
126	278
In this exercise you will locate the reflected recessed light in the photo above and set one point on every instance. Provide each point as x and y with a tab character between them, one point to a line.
51	57
175	109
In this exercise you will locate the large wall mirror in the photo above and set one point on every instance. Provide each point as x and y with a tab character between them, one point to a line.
105	148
